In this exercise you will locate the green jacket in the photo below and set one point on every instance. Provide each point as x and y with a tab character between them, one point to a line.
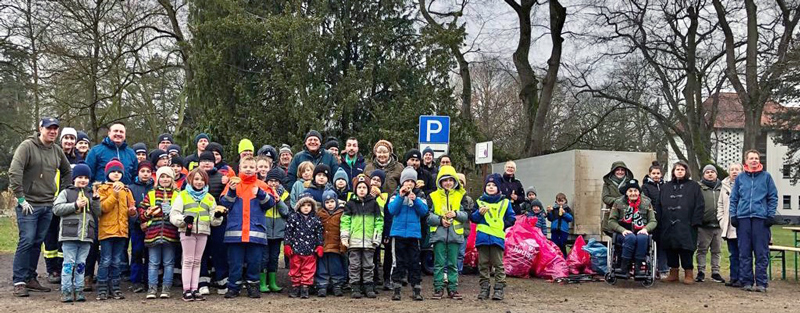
610	188
646	211
710	197
32	173
362	223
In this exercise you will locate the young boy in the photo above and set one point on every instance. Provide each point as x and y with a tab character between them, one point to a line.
303	246
532	207
79	207
139	188
276	227
330	269
493	214
180	172
560	215
361	230
247	200
446	221
322	174
340	184
406	209
160	235
117	205
141	151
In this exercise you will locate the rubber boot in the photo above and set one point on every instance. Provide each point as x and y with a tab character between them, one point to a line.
262	283
673	275
688	277
273	282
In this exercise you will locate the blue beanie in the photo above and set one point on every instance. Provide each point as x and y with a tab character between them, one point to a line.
493	178
427	150
81	169
201	136
328	195
379	173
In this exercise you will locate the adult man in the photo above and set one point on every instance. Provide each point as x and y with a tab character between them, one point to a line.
113	146
164	141
311	152
753	203
201	141
32	178
352	162
428	162
709	235
285	157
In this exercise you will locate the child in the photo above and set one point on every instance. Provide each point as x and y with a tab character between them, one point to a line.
247	200
276	226
194	211
140	149
78	206
340	184
406	209
361	229
160	234
560	215
303	246
532	207
305	172
117	205
263	165
467	205
330	272
493	214
139	188
321	176
446	221
159	158
180	172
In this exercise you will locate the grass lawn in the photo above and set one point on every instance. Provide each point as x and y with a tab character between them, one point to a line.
8	235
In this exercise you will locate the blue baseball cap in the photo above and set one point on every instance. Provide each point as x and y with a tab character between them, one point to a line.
48	121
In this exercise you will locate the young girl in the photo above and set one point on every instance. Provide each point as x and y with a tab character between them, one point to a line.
303	246
330	271
117	206
78	206
493	214
305	172
361	230
160	235
194	211
560	215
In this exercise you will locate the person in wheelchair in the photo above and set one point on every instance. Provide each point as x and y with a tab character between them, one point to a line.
633	218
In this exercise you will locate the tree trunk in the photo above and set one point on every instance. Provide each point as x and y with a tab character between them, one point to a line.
528	84
558	15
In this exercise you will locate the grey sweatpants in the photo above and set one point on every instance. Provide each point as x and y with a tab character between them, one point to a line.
361	265
709	238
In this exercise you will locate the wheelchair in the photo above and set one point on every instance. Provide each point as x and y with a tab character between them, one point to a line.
615	258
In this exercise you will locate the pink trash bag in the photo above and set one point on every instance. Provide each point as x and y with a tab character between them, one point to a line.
579	261
521	248
471	255
549	263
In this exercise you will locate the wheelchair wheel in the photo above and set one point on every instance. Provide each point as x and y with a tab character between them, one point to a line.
611	279
647	283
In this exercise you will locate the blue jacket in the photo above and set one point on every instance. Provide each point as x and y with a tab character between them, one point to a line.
754	195
352	171
100	154
484	239
560	223
323	156
316	192
406	218
255	218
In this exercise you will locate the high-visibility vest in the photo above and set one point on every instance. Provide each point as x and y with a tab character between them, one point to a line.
494	218
445	201
201	210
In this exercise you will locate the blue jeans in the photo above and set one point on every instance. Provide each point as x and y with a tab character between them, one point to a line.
163	254
733	252
74	267
269	260
238	253
634	246
753	237
111	251
32	230
330	270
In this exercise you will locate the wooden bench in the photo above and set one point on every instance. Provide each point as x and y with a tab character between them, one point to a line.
781	254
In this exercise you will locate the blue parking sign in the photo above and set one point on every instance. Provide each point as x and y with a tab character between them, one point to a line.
434	129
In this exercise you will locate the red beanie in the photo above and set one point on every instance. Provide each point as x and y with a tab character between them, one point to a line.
114	166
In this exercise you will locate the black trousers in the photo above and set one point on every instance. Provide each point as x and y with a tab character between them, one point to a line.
680	258
406	251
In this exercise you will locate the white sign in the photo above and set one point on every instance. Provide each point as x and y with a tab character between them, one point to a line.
483	152
439	149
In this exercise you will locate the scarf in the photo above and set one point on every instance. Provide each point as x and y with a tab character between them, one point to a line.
632	215
710	183
197	195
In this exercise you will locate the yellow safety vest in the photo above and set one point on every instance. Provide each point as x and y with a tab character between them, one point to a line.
201	210
494	218
285	196
445	202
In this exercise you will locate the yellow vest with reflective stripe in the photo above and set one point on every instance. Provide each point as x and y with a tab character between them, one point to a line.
201	210
494	218
285	196
445	202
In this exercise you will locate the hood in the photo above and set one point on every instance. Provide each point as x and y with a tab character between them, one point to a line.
107	142
305	200
628	173
340	174
447	171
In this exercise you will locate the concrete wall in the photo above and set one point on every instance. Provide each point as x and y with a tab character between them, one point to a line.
579	175
776	155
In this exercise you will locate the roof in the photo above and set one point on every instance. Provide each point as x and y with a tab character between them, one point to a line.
730	114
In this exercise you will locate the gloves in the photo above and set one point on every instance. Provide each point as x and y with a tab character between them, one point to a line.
26	207
287	250
345	243
319	251
189	220
735	222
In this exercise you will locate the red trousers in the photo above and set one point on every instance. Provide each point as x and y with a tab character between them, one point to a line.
302	269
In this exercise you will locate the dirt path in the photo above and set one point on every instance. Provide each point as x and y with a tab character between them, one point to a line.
522	295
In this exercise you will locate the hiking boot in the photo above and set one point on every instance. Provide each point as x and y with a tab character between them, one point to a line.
734	284
417	294
165	294
370	288
230	293
437	294
137	288
484	293
187	296
673	275
79	296
717	278
295	292
499	294
118	295
21	291
34	285
304	292
337	291
87	283
454	295
356	292
322	292
54	278
701	277
66	296
152	292
252	291
396	296
688	277
102	295
624	269
198	296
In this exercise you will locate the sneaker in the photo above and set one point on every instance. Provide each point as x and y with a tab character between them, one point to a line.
748	288
54	278
66	296
34	285
396	296
717	278
165	293
79	296
417	296
222	291
734	284
152	292
387	285
230	293
322	292
252	291
21	291
454	295
118	295
760	289
187	296
204	290
198	296
437	295
102	296
137	288
337	291
701	277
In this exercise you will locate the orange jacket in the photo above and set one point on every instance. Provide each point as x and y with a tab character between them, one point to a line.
115	211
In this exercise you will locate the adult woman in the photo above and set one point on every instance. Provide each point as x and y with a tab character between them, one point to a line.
633	217
728	231
383	158
653	182
680	212
511	187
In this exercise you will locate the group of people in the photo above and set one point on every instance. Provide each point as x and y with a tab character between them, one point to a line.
687	218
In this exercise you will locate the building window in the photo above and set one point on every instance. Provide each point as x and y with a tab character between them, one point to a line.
787	171
787	202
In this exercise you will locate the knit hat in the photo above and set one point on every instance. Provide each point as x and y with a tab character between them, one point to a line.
379	173
201	136
81	169
114	166
427	150
276	174
462	179
322	168
633	183
360	179
139	147
68	131
166	137
531	189
313	133
145	164
214	146
332	142
82	136
178	160
384	143
176	148
709	168
245	145
268	151
207	156
493	178
158	154
409	173
285	149
165	170
328	195
340	174
413	154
